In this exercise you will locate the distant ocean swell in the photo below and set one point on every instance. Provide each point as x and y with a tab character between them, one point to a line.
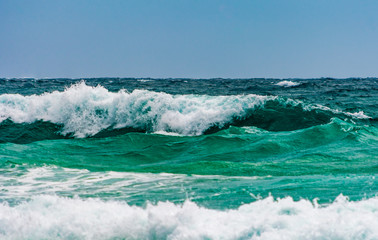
84	111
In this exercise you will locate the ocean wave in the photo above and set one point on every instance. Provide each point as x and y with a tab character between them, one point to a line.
53	217
83	111
287	83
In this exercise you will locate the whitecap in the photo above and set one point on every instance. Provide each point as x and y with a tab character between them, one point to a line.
287	84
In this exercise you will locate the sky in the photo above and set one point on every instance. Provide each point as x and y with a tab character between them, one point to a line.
189	39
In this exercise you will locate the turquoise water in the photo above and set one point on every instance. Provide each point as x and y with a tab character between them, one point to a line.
188	159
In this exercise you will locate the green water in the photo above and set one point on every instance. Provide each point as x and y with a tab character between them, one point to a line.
321	161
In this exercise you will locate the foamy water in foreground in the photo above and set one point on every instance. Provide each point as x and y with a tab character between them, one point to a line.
55	217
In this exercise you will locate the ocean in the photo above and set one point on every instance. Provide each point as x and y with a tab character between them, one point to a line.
128	158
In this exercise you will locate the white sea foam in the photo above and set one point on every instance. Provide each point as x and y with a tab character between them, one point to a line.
360	115
52	217
85	110
287	84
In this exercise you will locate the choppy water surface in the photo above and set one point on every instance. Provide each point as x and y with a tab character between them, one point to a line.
115	158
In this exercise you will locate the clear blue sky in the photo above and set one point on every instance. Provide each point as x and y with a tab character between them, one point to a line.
196	39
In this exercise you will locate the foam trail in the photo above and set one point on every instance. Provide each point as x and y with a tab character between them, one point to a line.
52	217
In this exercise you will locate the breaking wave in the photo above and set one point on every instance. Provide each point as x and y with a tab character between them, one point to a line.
83	111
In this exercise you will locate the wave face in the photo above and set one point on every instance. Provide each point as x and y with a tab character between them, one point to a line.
114	158
83	111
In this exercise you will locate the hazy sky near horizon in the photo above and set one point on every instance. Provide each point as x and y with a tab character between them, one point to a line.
194	39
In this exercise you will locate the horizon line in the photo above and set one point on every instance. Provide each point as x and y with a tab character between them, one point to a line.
191	78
